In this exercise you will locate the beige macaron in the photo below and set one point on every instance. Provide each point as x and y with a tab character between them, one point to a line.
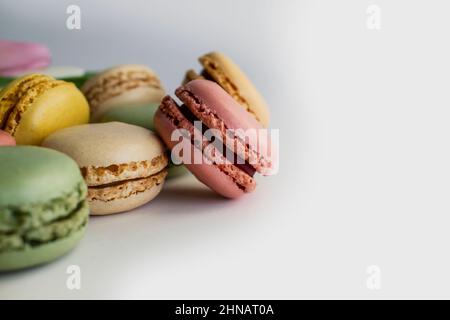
123	85
222	70
124	165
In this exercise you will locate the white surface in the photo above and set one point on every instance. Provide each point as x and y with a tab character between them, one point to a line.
364	178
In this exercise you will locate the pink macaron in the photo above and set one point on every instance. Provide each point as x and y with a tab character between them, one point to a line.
6	139
237	150
20	57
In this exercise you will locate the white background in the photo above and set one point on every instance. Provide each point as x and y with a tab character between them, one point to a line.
364	126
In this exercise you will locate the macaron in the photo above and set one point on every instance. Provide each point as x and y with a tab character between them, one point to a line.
123	165
225	72
19	57
34	106
124	85
43	207
205	101
63	72
6	139
141	115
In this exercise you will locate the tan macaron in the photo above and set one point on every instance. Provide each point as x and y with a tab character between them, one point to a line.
123	85
222	70
124	165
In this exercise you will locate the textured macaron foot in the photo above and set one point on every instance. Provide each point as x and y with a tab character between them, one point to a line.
123	165
43	207
122	86
36	105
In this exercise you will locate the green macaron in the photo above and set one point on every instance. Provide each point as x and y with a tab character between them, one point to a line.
43	208
138	115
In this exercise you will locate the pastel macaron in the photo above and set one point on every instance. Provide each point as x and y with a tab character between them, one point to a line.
6	139
123	165
207	103
20	57
225	72
36	105
43	207
123	85
140	115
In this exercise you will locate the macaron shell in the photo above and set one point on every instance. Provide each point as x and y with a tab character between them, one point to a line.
32	175
14	91
19	57
42	253
57	108
141	115
99	207
122	85
105	144
131	98
226	108
30	93
6	139
116	71
208	174
191	75
229	76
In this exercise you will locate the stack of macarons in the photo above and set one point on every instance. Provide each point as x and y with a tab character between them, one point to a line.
106	145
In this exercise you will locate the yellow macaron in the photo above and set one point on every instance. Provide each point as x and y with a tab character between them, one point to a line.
34	106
